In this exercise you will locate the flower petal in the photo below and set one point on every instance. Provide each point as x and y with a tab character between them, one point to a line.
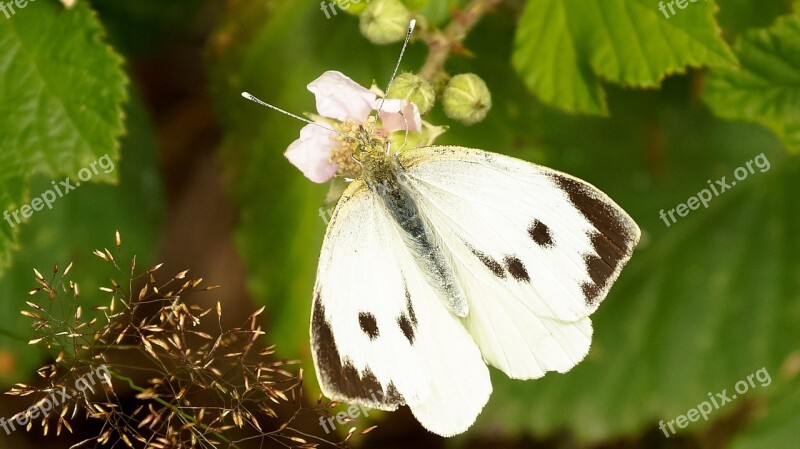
341	98
397	114
311	153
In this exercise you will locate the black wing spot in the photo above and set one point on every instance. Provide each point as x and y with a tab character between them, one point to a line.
408	320
540	233
368	324
517	269
407	328
493	265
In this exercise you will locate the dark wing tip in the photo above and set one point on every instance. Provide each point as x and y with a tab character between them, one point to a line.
614	240
337	375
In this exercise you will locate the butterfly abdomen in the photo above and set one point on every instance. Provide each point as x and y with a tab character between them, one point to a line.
390	184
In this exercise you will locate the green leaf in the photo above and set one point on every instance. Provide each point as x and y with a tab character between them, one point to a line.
565	47
61	98
736	16
766	87
81	221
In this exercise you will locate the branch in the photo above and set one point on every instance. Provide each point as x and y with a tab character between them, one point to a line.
441	43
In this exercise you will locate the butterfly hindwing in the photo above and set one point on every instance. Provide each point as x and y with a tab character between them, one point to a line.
535	250
380	336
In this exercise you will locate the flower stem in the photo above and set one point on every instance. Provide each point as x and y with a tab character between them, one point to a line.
441	43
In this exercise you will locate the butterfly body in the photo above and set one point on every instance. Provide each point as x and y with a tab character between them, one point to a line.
387	180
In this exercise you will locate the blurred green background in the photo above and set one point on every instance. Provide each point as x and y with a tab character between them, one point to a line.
645	107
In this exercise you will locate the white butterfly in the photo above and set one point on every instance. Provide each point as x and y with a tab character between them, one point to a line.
445	259
440	260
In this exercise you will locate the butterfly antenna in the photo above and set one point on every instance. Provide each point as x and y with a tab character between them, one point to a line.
275	108
397	66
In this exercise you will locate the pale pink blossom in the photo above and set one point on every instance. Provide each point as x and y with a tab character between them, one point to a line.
340	98
311	153
398	114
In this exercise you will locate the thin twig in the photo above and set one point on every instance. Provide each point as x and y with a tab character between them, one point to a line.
442	43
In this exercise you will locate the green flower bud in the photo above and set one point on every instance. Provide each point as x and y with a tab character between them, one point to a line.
466	98
414	89
384	21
